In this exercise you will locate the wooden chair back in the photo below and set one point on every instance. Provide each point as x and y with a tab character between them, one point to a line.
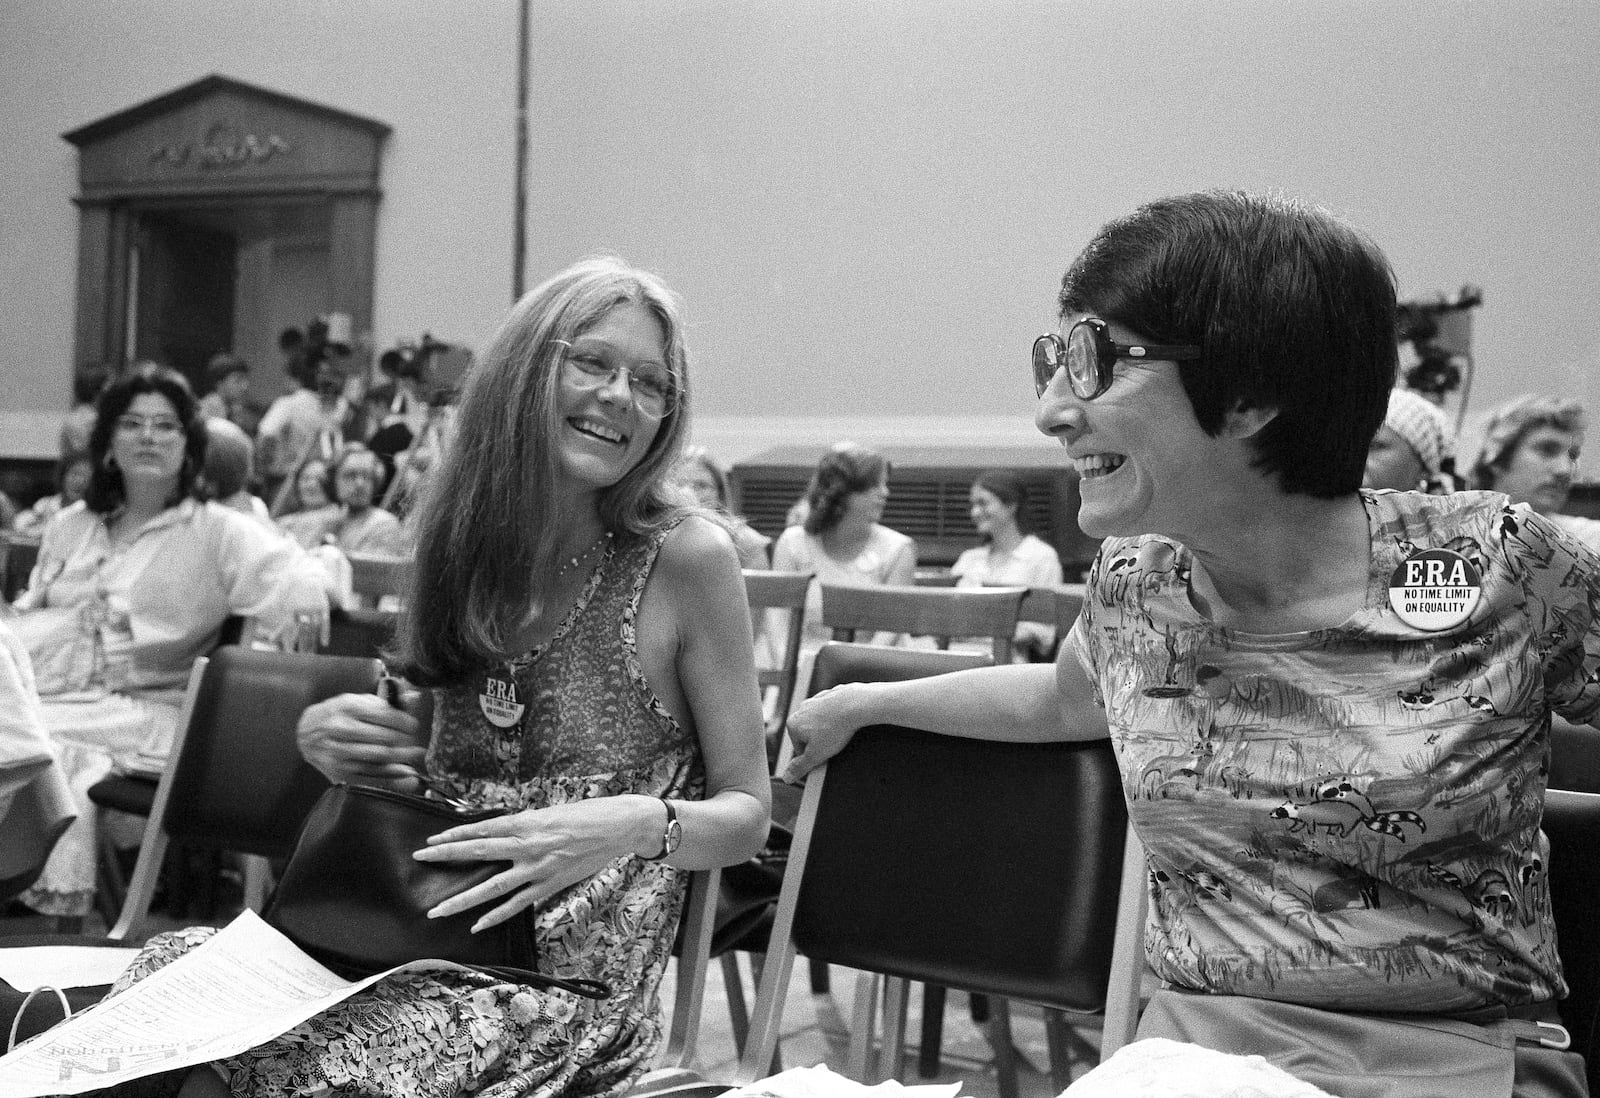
779	591
939	612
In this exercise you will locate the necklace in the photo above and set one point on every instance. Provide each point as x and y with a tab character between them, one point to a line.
569	565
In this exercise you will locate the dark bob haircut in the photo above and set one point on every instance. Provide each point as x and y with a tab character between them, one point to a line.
1292	309
844	470
1010	489
106	492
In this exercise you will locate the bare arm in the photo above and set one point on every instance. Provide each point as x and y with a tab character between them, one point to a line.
694	644
1025	702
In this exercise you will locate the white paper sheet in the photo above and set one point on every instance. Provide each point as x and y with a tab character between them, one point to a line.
28	967
241	988
819	1082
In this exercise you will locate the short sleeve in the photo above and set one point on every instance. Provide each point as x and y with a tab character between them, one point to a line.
1562	575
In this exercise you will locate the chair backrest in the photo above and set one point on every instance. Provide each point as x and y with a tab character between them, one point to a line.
235	779
373	576
779	591
941	612
1572	822
1574	757
357	632
986	866
17	557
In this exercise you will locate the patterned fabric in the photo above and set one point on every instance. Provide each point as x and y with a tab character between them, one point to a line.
1349	817
592	728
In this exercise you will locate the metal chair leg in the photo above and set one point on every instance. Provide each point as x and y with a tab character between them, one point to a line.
928	1063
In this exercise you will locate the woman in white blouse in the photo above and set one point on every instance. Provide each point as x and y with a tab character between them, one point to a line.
841	542
1010	555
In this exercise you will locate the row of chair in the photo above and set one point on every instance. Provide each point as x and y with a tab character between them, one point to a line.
906	848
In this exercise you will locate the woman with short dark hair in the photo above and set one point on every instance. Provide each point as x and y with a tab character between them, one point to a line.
1330	706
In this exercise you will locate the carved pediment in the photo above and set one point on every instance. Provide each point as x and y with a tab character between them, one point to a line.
223	136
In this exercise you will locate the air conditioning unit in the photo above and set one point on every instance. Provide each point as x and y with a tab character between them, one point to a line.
928	496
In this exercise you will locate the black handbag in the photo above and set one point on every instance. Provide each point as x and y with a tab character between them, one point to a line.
354	898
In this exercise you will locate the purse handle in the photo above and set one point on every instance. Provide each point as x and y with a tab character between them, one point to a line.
589	989
66	1011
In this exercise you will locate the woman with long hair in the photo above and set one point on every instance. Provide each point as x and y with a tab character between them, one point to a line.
583	641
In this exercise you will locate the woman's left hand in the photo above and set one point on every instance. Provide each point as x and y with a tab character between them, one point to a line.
549	849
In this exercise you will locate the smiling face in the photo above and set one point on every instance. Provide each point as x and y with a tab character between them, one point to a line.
1539	471
601	433
148	441
1146	466
308	485
693	475
991	514
1392	463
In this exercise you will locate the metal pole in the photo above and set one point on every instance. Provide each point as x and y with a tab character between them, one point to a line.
519	232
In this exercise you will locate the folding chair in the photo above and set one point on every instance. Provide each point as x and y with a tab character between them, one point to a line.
374	577
774	591
235	779
1574	757
990	867
1572	823
1053	606
358	632
693	953
939	612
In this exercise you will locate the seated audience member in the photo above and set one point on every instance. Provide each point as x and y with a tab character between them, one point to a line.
353	522
1530	452
227	471
72	480
1011	554
35	800
842	543
414	465
310	421
308	488
130	586
229	398
87	381
703	477
1412	450
659	768
1338	789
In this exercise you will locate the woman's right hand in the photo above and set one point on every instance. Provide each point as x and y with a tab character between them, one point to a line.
821	727
360	738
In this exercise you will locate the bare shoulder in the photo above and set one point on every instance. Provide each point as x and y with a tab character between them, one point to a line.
696	552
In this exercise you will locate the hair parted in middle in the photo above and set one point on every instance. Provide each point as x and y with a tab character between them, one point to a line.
106	490
487	529
842	471
1292	309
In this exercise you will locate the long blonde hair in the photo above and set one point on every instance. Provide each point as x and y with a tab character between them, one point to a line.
487	532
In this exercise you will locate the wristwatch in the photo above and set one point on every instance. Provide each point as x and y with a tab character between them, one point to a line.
672	836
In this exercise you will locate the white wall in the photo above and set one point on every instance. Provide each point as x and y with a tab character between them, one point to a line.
868	205
443	75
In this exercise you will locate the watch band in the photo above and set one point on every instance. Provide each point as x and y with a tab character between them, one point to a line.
671	835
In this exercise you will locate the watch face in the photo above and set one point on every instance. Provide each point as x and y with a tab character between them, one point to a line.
673	837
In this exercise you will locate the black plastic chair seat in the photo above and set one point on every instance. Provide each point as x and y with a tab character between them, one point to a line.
125	793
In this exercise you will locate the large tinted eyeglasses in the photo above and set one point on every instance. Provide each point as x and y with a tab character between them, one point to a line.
653	385
1090	355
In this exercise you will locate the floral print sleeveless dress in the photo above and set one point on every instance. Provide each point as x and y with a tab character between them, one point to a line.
588	726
